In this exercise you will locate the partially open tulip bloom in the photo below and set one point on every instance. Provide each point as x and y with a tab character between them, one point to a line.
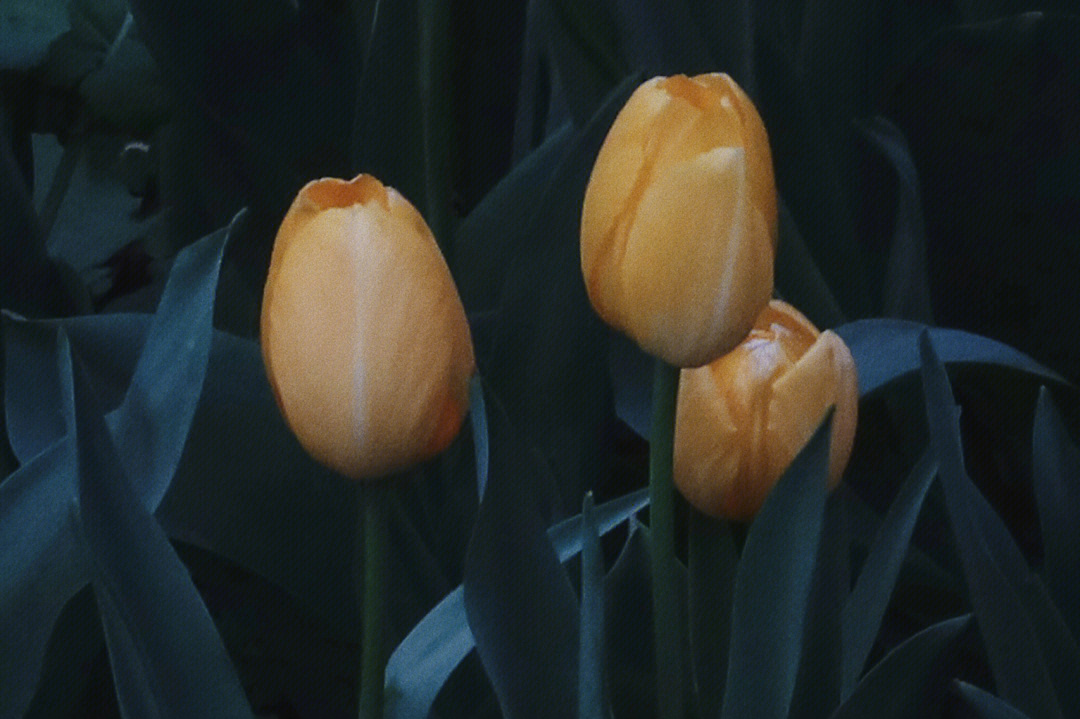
363	333
741	420
679	223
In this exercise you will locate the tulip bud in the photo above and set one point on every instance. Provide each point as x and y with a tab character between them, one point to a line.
364	336
679	223
741	420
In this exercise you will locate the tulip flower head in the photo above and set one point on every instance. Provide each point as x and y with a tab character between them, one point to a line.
679	222
741	420
364	336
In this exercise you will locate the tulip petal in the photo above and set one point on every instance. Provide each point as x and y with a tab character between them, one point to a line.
685	259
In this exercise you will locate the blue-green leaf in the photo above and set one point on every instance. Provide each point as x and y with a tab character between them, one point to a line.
772	586
901	684
870	596
630	648
712	560
592	699
41	565
885	350
152	423
1056	470
906	288
424	660
819	681
27	27
1019	666
478	415
550	371
985	704
149	599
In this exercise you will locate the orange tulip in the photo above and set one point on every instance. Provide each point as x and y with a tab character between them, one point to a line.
364	335
741	420
679	223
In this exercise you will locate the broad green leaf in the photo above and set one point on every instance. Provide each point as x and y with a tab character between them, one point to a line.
42	563
585	53
818	684
712	559
661	39
985	704
772	586
422	663
145	592
885	350
1056	471
869	598
906	290
902	684
630	647
549	371
488	239
798	279
29	283
1019	665
27	27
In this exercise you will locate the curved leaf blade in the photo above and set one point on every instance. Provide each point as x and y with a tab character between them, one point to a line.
1016	659
986	705
896	687
1056	471
165	652
772	586
419	667
869	598
885	350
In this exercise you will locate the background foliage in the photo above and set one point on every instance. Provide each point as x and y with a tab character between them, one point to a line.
167	549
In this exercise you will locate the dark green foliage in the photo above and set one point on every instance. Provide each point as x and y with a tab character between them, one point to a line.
167	548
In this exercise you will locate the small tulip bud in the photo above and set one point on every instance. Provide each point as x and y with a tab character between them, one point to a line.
679	222
364	336
741	420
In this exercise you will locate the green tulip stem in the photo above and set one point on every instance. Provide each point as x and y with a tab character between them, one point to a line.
666	625
375	499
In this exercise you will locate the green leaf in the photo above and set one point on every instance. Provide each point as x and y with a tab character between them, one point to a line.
906	291
630	647
585	53
151	424
661	39
712	559
772	586
1056	471
798	279
29	283
885	350
984	704
145	592
869	598
819	681
486	240
547	356
592	696
422	663
390	140
478	416
1019	666
902	684
27	27
42	565
98	215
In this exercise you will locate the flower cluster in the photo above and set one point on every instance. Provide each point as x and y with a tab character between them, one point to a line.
678	240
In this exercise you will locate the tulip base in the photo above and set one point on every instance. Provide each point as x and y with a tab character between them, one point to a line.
667	624
375	497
